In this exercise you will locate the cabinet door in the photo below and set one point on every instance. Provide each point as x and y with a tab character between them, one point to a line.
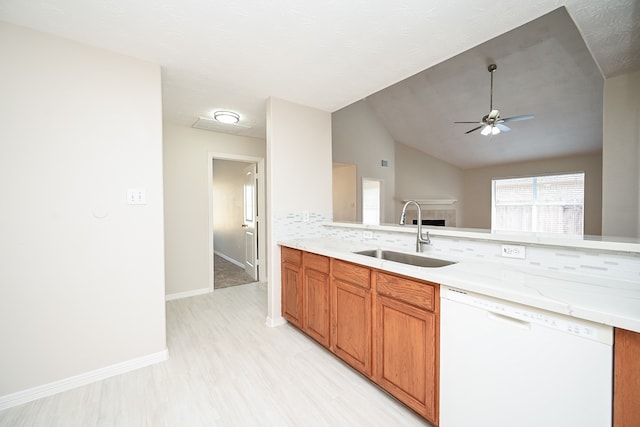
351	322
626	378
406	354
292	293
316	305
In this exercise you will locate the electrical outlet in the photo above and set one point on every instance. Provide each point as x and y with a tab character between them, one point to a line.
367	234
513	251
305	216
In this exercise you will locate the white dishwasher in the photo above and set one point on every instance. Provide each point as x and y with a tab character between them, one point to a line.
507	365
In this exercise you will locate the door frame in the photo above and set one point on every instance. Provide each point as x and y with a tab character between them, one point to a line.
262	248
381	201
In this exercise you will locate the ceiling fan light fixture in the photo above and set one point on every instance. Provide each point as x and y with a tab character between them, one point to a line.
228	117
492	123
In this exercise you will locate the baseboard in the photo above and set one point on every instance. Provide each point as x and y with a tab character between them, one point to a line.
231	260
56	387
187	294
277	321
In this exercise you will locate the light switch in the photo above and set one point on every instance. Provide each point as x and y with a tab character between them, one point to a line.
136	196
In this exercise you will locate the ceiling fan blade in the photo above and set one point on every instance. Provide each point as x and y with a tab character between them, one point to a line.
492	123
518	118
476	122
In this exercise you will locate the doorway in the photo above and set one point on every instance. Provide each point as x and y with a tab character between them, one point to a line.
236	203
344	192
371	201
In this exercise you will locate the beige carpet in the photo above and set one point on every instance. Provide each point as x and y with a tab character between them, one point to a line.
226	274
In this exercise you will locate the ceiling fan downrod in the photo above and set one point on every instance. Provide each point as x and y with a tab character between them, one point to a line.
491	69
492	123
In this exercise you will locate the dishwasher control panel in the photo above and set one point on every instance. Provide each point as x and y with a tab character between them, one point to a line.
525	314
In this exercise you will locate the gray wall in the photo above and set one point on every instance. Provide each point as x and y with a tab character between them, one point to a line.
476	212
621	156
420	176
359	138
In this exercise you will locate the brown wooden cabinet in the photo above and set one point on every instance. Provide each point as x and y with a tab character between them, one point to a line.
292	285
626	379
384	325
316	291
406	341
351	314
387	327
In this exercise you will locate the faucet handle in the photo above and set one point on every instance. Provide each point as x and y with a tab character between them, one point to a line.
426	240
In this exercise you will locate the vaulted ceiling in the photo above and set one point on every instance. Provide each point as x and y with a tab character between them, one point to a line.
543	68
327	55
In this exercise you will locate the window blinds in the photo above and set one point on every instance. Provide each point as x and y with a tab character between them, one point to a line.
543	204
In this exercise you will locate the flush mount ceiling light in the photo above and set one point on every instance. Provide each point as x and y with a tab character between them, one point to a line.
228	117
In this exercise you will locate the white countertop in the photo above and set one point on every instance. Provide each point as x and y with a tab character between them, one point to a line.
604	243
611	302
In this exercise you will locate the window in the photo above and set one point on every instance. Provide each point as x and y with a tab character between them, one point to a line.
543	204
249	186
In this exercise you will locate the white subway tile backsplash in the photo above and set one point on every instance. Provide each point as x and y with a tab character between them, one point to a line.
605	264
291	225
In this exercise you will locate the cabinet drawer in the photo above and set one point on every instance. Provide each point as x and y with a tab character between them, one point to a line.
316	262
351	273
292	256
419	294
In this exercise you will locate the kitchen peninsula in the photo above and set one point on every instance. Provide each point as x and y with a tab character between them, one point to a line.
585	280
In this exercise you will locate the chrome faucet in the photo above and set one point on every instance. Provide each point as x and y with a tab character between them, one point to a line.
420	239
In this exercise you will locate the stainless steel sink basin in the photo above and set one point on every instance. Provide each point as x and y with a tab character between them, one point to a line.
404	258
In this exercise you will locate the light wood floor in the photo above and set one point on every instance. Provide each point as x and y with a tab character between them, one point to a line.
225	368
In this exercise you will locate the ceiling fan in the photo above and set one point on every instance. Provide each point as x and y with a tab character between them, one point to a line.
492	123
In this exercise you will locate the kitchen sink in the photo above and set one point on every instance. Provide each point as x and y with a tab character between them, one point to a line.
404	258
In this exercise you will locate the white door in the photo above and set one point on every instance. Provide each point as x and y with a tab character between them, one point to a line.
371	201
250	222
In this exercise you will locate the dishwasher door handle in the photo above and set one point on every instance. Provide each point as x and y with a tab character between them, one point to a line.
508	319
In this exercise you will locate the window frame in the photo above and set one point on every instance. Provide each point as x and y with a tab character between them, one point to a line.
536	204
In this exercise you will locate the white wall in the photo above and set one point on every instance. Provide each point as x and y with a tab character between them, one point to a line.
82	277
621	156
298	180
186	191
476	212
228	209
359	138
